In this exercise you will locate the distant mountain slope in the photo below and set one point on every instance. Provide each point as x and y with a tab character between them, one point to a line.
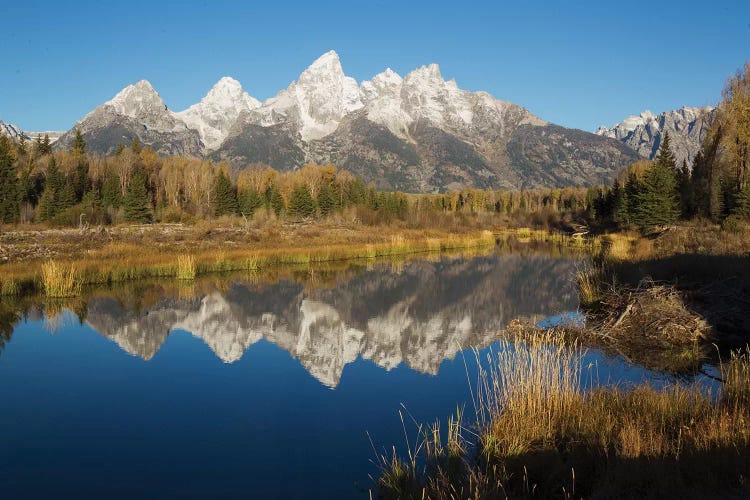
687	128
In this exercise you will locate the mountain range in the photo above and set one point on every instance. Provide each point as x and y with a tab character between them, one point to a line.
417	133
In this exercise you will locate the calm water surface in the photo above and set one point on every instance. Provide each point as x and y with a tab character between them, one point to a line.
256	388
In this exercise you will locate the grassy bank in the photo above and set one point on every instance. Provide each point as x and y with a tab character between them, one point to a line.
539	434
172	251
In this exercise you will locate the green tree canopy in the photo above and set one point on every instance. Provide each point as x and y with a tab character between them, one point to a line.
9	185
224	196
136	203
301	203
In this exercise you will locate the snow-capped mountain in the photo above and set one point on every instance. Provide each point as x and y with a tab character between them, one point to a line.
137	111
215	114
315	103
416	133
687	127
10	130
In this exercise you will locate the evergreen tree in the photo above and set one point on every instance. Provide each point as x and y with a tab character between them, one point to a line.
357	192
742	202
22	149
46	146
700	181
657	203
686	191
632	190
111	194
326	200
53	184
82	181
225	197
9	185
274	200
135	145
79	144
301	203
665	157
136	202
249	201
619	204
66	197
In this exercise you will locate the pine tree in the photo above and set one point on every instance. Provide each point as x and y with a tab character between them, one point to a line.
79	144
66	197
686	191
301	203
135	145
46	145
657	203
619	204
632	190
274	200
742	202
357	192
22	149
9	185
326	200
225	197
111	194
53	184
249	201
136	202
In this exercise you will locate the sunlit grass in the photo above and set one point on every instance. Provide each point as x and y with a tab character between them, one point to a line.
60	280
540	429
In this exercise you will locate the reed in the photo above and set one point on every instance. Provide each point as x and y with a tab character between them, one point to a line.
186	267
9	287
60	280
588	282
540	429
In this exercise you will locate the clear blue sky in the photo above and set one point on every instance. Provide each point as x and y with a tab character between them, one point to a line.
578	64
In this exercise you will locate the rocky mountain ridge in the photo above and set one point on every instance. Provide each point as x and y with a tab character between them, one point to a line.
687	127
417	133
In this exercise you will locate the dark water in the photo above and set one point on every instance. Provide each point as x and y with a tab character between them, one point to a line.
255	388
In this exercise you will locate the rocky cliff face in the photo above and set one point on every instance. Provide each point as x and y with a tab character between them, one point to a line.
687	127
418	316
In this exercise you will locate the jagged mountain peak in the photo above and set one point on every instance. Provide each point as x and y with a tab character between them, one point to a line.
134	99
687	127
215	114
327	62
316	102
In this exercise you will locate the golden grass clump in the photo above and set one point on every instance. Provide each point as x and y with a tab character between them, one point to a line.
540	429
186	267
60	280
9	286
588	282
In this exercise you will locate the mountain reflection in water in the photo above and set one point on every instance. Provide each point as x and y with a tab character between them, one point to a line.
420	315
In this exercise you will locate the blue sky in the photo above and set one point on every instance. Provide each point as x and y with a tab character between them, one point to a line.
578	64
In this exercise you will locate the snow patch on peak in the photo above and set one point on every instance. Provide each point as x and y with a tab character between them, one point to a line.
326	61
317	101
134	99
215	114
142	103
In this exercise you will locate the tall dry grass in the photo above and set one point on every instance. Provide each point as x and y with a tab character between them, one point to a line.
186	267
60	280
540	432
